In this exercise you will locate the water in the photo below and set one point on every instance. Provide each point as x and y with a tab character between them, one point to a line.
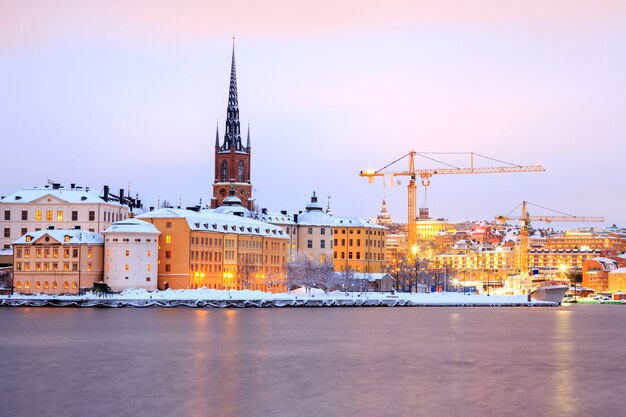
566	361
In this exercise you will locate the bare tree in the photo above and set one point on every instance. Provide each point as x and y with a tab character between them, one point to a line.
325	277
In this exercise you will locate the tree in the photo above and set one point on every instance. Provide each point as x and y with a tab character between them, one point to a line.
325	277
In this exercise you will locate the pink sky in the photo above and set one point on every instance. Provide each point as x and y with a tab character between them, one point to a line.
330	88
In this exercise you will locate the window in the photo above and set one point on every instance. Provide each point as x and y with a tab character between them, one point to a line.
358	242
65	285
309	244
24	231
168	254
89	252
66	253
149	253
358	255
168	239
74	216
350	242
67	238
38	253
147	279
29	238
7	232
349	255
74	253
310	230
168	225
24	215
126	267
59	215
168	268
224	171
49	215
7	214
127	252
323	231
240	170
323	244
74	267
92	215
26	253
149	267
38	215
18	253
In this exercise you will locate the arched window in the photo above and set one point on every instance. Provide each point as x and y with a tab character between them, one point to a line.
240	172
45	285
27	284
65	285
224	175
54	285
18	285
74	285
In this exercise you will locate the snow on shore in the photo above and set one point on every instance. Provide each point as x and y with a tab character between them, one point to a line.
438	298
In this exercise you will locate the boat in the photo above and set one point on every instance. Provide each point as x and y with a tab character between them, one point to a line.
548	290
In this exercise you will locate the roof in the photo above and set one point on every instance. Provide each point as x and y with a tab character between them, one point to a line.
315	218
618	271
70	195
277	218
232	210
76	237
208	220
132	226
355	222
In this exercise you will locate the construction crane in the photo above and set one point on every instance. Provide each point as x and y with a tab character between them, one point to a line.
526	218
425	174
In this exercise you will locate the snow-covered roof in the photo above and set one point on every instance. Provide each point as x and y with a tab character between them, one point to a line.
315	218
355	222
6	252
132	226
234	210
208	220
278	218
70	195
618	271
62	236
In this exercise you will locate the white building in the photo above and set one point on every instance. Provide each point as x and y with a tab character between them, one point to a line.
131	255
55	207
314	232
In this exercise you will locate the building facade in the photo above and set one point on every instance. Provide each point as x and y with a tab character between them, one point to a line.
55	207
358	245
131	250
57	261
314	233
219	251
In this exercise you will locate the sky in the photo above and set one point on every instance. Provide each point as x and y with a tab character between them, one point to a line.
129	92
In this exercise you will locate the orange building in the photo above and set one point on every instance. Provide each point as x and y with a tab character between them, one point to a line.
358	244
220	251
596	273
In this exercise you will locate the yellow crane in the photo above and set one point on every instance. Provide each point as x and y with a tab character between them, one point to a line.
526	218
425	174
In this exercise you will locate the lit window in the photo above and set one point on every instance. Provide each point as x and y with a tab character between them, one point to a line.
67	238
74	285
126	267
37	285
149	254
59	215
66	285
46	285
37	253
127	252
18	285
55	253
89	252
168	239
89	266
27	284
29	238
149	266
38	215
74	267
49	215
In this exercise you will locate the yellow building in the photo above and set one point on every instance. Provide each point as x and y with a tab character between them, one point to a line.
358	244
468	261
554	260
617	280
427	229
57	261
220	251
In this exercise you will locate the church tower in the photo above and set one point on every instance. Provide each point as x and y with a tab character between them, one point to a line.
232	159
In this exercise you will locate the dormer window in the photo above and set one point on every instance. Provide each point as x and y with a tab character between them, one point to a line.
29	238
67	238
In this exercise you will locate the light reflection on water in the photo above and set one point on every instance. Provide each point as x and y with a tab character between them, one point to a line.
565	361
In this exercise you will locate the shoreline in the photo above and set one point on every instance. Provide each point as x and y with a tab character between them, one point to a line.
203	298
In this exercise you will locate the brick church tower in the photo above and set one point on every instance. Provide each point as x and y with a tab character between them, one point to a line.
232	159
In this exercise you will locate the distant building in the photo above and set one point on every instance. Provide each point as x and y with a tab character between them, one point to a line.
383	218
55	207
617	280
596	273
57	261
131	252
471	261
427	229
551	261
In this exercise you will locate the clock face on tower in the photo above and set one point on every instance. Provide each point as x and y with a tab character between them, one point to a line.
223	191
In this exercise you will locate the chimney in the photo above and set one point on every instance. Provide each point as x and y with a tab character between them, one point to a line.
72	186
106	192
56	186
121	196
264	210
283	212
295	218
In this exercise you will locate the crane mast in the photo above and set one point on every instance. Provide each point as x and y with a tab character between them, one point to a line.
425	174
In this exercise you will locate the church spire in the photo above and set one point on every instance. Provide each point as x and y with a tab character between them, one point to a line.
217	134
232	136
248	141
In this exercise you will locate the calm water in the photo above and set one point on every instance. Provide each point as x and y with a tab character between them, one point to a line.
567	361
